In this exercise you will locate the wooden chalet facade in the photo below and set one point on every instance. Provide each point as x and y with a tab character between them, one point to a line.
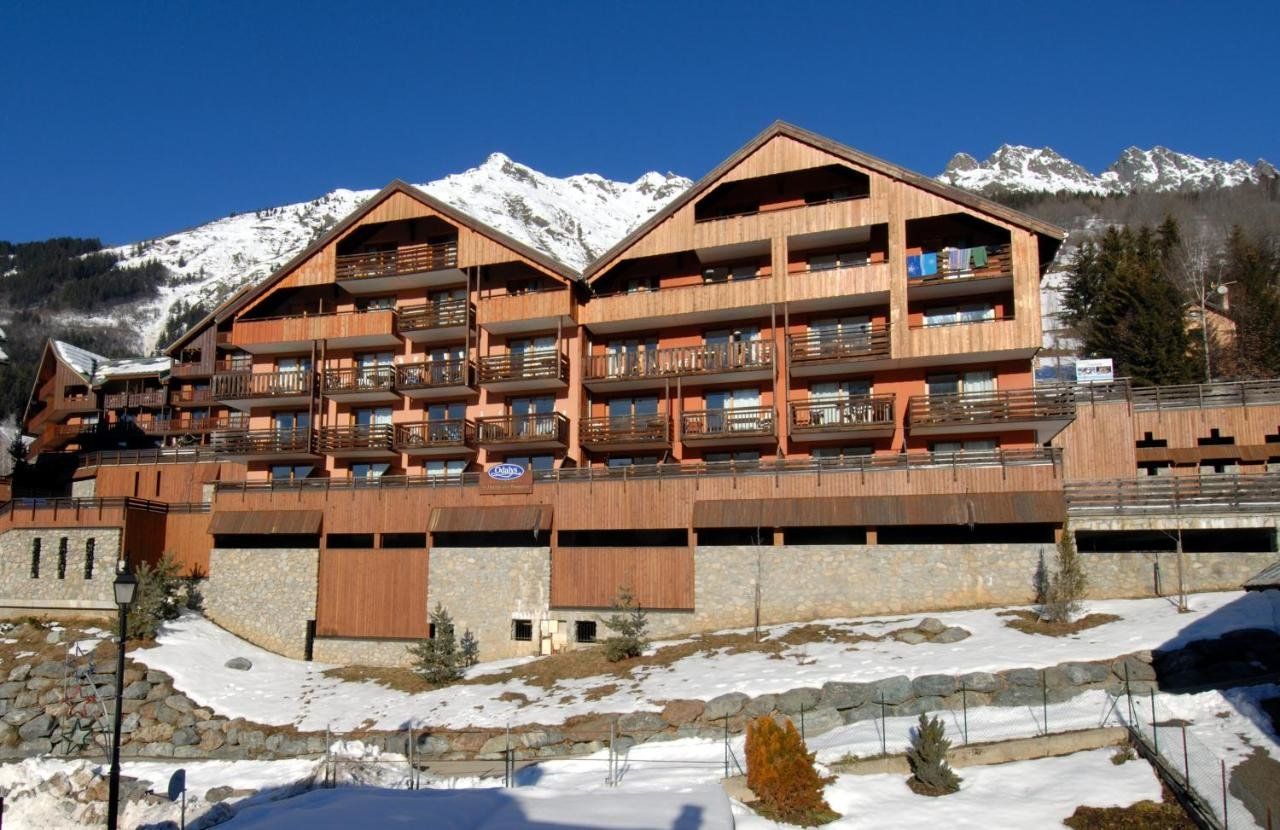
810	347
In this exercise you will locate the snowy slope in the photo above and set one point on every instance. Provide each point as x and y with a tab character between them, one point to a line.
1017	168
572	219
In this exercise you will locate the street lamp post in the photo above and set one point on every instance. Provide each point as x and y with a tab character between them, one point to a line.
124	586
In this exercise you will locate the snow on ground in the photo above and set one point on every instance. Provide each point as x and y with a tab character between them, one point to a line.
280	690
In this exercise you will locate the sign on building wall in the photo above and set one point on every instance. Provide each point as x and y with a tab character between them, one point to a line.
506	478
1095	370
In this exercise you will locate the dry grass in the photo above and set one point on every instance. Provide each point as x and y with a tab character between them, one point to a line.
1145	815
29	636
1029	622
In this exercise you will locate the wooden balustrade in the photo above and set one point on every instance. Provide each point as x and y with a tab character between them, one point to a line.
192	397
263	442
359	379
837	346
713	424
438	315
1172	495
994	407
447	433
429	374
628	430
999	264
357	437
857	413
188	426
116	400
532	365
543	427
750	355
151	397
407	259
189	369
242	385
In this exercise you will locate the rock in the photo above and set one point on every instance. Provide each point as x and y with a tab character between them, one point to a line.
50	668
820	721
159	692
537	738
13	688
839	695
19	715
239	663
496	746
137	690
892	690
183	737
39	684
1022	677
931	626
180	703
211	739
690	730
910	636
38	746
222	793
641	723
158	749
166	715
217	814
724	706
919	705
155	677
252	738
933	685
761	705
954	634
53	637
152	733
979	681
680	712
189	751
796	700
19	673
426	745
1136	668
1018	696
41	726
8	735
128	723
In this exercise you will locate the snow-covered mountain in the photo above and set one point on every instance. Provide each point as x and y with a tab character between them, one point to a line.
1019	169
573	219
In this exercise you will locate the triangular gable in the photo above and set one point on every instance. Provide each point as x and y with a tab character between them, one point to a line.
52	354
249	293
732	168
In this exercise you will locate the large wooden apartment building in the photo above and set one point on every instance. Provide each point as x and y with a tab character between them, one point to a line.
803	388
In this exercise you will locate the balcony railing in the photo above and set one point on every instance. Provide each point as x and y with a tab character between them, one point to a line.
999	264
626	429
185	426
359	379
1173	495
516	429
241	385
69	432
1200	396
434	373
439	315
357	437
448	433
191	397
407	259
187	369
682	360
854	414
264	442
821	346
500	368
1047	404
151	397
115	400
756	421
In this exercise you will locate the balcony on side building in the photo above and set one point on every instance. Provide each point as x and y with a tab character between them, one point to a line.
435	379
407	266
361	384
437	322
192	397
1047	411
709	364
59	435
357	441
448	437
374	328
541	431
822	352
748	426
264	444
627	432
115	400
963	271
150	397
524	371
858	416
236	421
245	390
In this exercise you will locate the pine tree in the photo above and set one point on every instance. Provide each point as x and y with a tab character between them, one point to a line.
470	649
438	660
782	775
156	598
1067	584
927	756
628	623
1255	297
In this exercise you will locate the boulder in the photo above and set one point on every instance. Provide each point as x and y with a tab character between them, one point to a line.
137	690
19	673
53	637
1022	677
680	712
538	738
954	634
1018	696
919	705
50	668
426	745
183	737
41	726
979	681
838	695
39	684
724	706
931	626
166	715
239	663
796	700
820	721
933	685
910	636
1136	668
891	690
641	723
179	702
761	705
13	688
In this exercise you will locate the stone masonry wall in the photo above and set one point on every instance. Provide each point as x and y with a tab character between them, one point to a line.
20	593
1115	575
364	652
484	589
264	595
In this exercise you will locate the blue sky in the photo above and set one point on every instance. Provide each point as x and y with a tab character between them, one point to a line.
129	120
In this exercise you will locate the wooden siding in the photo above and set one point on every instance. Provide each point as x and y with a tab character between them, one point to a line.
372	593
315	327
513	308
661	578
1101	443
161	482
187	540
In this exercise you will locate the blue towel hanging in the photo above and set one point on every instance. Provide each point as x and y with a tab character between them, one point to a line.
913	266
928	264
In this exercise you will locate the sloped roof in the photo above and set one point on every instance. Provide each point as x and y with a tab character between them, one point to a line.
249	292
835	148
82	361
1268	577
127	367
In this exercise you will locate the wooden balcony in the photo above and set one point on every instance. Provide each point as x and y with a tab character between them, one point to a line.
728	427
726	363
264	444
861	416
357	441
409	266
435	379
631	432
701	304
59	435
450	437
823	352
544	431
532	311
439	322
115	400
833	288
996	275
245	390
197	369
196	426
1047	411
524	371
1006	338
363	384
151	397
296	333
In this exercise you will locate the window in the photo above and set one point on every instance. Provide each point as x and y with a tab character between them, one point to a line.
403	540
62	558
844	259
446	469
734	410
584	631
967	313
1219	467
640	408
842	453
522	630
290	472
35	558
954	383
369	471
375	303
725	273
89	546
975	445
537	463
620	461
631	356
296	421
300	365
741	457
376	416
349	541
529	416
1156	468
639	285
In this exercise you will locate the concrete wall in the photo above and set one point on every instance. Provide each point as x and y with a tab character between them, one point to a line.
484	589
20	594
85	488
266	596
